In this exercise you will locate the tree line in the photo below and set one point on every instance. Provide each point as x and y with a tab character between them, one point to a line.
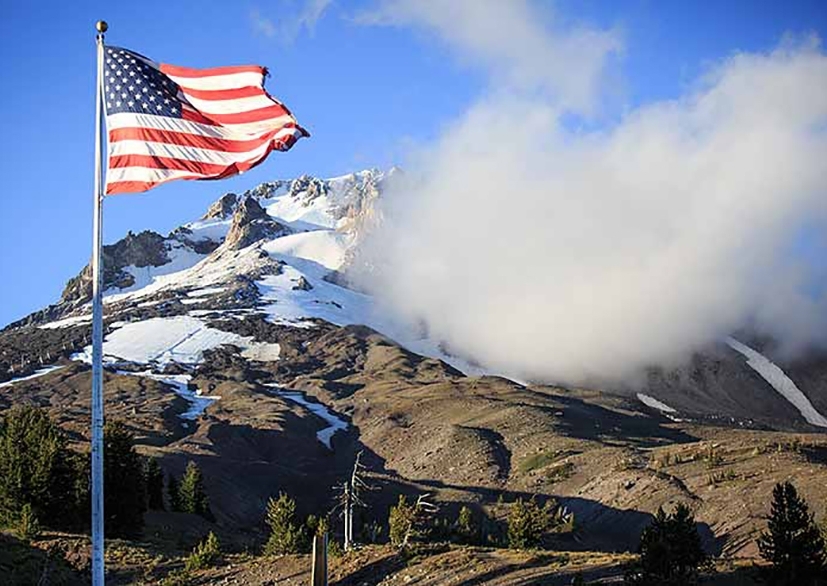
45	483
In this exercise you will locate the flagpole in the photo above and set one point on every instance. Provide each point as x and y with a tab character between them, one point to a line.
97	331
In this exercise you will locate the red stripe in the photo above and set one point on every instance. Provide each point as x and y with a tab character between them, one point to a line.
193	140
241	92
151	162
193	115
258	115
189	72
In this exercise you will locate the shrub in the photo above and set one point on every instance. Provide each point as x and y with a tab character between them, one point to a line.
792	544
205	554
670	551
527	523
286	536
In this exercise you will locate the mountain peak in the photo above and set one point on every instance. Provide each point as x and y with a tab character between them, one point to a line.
250	224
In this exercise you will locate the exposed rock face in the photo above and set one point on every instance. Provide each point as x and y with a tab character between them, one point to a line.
205	246
141	250
302	285
251	224
310	187
223	208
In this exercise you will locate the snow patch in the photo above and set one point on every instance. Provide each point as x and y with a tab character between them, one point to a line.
780	382
181	258
35	374
180	384
655	404
181	339
206	292
213	229
324	247
334	422
65	323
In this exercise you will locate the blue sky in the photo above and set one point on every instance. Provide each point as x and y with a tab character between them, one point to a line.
366	93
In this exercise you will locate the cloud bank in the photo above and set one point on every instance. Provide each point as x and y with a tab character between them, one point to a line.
572	256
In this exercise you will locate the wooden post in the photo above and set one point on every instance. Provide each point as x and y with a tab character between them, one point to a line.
319	571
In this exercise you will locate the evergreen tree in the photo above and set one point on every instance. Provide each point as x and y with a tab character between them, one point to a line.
401	522
792	544
174	494
124	491
34	468
527	523
466	528
286	536
191	495
28	527
205	554
670	551
154	485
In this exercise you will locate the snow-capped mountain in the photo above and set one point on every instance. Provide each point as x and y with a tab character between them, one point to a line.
236	341
279	251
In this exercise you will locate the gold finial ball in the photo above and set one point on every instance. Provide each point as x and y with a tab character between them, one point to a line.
101	26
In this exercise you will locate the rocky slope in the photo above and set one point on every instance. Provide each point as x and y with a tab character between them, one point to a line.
233	342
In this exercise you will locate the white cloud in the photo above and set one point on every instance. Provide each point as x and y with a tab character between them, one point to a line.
579	257
294	17
523	48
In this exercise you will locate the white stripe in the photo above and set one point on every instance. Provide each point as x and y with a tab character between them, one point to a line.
186	153
233	106
146	174
228	81
247	131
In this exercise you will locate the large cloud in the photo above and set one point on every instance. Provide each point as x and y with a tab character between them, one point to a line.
573	256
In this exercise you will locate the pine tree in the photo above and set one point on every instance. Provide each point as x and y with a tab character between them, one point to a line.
466	529
174	494
401	521
124	491
28	527
286	536
792	544
35	468
205	554
670	551
192	497
527	523
154	485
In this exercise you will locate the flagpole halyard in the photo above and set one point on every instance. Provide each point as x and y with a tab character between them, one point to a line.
97	330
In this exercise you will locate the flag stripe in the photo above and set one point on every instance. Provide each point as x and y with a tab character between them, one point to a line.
185	139
178	71
191	152
191	124
235	132
273	111
209	107
220	82
218	95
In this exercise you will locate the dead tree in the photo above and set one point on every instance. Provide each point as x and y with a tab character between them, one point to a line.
351	498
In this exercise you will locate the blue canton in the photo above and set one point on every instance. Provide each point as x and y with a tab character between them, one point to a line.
130	84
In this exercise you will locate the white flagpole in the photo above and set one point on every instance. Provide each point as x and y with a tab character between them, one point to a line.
97	333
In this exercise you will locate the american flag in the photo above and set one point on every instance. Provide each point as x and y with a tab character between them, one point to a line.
167	122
